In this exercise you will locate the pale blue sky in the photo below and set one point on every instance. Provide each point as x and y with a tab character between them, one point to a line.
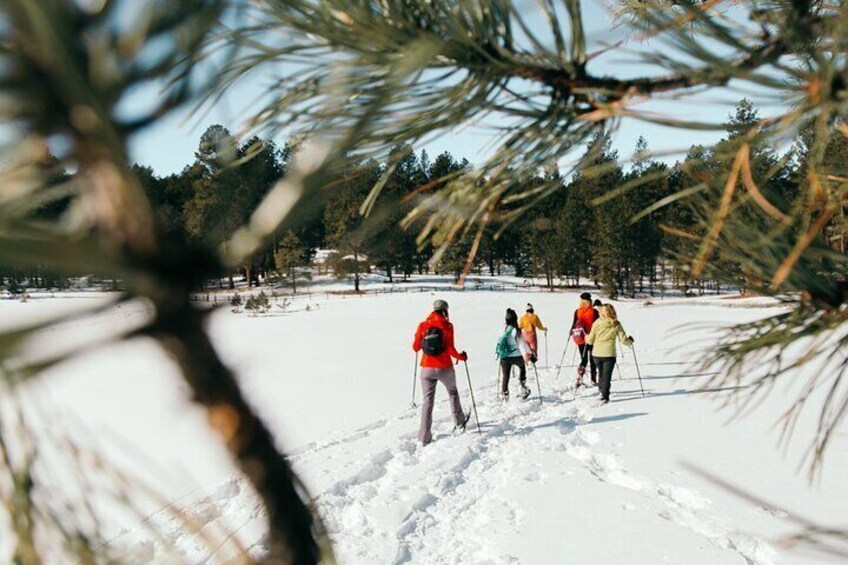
169	145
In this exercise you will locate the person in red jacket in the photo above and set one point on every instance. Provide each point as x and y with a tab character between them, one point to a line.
434	338
581	325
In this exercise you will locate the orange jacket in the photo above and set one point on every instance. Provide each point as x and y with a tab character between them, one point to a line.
443	360
530	321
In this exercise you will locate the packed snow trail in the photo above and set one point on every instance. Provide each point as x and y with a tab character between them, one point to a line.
452	501
467	498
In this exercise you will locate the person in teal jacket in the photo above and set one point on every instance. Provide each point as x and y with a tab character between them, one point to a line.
510	351
602	338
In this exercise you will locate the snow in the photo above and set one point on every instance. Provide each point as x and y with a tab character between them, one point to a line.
559	481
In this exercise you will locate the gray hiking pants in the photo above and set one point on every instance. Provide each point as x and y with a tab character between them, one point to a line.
429	378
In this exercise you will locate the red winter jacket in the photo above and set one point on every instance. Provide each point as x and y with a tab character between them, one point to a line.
585	316
443	360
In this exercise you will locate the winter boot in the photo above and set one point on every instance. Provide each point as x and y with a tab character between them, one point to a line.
460	428
580	372
594	378
525	392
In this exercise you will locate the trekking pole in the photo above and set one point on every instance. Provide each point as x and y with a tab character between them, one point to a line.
414	378
538	387
561	361
638	372
617	367
473	404
547	363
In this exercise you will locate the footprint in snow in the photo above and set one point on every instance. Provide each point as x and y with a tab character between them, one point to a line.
684	497
776	512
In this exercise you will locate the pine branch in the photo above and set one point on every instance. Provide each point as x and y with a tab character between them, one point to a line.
60	70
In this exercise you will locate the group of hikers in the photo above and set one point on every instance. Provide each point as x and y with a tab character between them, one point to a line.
594	329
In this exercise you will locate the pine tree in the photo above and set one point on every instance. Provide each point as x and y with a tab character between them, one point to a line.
212	214
388	244
645	237
577	227
606	238
543	236
290	255
261	164
342	219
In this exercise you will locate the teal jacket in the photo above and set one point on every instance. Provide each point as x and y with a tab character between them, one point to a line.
510	344
603	335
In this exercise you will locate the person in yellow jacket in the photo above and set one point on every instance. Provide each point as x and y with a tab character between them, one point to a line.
602	338
529	323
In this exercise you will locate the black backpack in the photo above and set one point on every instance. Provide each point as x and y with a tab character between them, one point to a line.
433	341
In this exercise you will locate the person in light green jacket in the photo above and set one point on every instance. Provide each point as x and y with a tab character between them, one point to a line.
602	338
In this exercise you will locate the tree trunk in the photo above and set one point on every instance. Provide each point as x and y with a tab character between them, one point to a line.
356	272
651	278
292	529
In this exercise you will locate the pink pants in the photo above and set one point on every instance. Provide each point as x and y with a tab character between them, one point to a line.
530	340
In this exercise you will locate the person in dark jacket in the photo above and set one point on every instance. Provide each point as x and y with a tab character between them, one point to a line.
435	337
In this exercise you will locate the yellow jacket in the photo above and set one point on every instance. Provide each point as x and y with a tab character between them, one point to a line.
603	335
529	322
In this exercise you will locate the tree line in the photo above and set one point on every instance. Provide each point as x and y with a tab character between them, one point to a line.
580	233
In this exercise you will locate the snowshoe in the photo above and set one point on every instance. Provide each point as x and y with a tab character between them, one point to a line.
460	428
525	392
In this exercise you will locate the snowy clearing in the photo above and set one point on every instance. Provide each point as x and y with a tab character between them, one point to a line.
562	481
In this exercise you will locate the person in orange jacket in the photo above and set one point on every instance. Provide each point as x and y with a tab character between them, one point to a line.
434	338
581	325
529	323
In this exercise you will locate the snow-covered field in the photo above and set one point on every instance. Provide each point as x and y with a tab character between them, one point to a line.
562	481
